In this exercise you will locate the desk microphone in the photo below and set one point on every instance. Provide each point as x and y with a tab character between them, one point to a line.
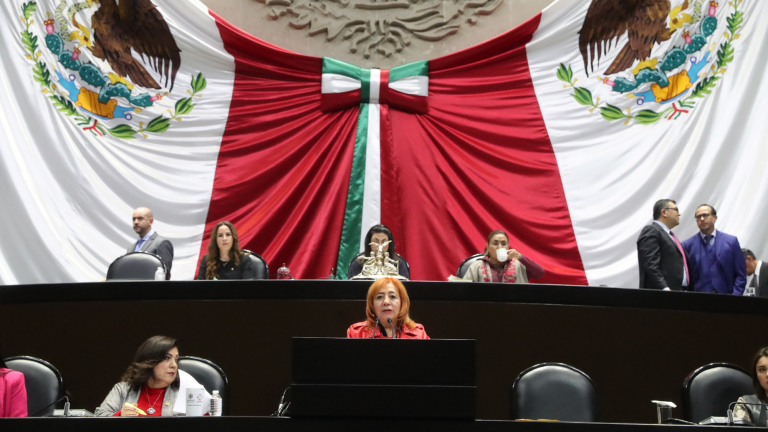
732	404
394	332
375	327
66	407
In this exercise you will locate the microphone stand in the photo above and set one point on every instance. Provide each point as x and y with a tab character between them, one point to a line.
394	331
733	404
66	407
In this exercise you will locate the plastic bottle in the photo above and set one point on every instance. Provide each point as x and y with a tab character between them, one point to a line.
159	274
217	403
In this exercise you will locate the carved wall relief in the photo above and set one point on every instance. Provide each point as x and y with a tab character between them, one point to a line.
380	26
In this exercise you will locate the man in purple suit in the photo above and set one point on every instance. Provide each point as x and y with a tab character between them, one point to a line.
716	262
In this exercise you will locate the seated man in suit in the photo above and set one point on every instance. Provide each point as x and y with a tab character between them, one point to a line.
662	260
149	240
758	271
716	261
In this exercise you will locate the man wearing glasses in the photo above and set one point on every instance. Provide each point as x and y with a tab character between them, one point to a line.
662	259
716	261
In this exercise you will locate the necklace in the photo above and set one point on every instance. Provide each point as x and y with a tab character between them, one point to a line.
151	409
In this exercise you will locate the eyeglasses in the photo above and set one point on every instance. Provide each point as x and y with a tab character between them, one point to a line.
671	208
702	216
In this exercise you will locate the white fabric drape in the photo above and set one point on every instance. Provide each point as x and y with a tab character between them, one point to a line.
614	172
67	194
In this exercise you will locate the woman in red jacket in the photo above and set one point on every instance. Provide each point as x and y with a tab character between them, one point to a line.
13	393
387	314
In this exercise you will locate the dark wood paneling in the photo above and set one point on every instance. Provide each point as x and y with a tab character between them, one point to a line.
633	354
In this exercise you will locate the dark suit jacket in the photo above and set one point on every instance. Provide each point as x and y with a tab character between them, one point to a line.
660	261
730	275
762	282
160	246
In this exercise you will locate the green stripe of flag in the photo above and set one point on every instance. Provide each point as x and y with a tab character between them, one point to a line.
353	215
365	86
331	66
420	68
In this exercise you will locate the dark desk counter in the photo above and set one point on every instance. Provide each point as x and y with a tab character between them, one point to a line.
273	424
637	345
567	295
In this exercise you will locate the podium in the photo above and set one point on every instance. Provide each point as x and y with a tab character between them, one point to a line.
392	378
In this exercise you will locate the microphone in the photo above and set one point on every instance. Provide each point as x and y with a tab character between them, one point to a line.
375	326
66	407
282	407
394	331
732	404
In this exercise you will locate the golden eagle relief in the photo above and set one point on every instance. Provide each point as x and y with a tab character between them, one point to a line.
644	22
122	26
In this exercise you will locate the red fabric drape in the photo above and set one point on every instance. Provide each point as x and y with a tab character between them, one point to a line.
283	169
479	160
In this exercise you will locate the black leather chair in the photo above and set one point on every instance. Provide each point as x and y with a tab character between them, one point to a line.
135	266
259	264
43	382
407	266
464	266
554	391
210	375
708	390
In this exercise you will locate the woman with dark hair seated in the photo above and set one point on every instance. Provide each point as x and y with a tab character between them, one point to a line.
387	314
756	414
378	235
13	393
225	259
150	385
501	264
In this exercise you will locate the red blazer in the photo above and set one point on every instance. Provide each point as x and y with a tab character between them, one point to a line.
13	394
361	330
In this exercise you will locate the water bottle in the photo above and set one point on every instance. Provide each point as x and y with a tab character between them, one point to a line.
749	291
216	404
159	274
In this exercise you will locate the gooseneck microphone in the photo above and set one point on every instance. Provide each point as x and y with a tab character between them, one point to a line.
375	327
732	404
66	407
394	331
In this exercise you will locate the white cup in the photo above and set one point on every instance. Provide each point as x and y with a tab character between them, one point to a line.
195	398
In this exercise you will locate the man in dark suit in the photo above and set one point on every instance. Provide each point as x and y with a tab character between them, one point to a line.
716	261
759	272
662	260
149	240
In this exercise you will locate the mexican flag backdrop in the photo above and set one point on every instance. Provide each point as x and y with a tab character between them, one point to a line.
563	132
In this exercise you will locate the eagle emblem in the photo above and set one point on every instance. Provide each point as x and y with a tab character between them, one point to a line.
108	70
122	26
669	58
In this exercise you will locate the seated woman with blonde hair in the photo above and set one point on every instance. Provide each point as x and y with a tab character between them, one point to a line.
387	314
225	259
501	264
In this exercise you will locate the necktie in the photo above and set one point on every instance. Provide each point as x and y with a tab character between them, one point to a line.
138	245
682	252
708	241
753	282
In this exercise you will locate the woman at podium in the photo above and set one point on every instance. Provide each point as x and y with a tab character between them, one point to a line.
387	315
150	385
378	235
501	264
754	408
225	259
